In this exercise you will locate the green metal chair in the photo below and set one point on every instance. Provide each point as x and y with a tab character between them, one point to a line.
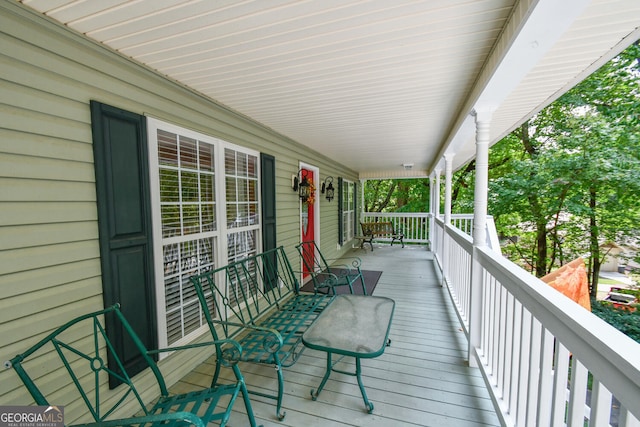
73	366
327	278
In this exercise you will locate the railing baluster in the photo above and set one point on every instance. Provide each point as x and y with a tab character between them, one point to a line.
545	390
600	405
578	394
515	358
523	369
508	345
501	350
561	374
533	379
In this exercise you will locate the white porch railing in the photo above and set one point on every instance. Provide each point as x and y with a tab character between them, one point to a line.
546	360
464	223
415	226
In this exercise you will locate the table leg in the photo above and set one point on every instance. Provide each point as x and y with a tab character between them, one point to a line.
316	393
358	374
367	403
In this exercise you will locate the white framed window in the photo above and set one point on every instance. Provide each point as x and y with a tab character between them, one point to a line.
241	185
348	210
204	194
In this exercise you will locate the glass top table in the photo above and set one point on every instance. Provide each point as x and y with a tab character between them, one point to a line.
353	326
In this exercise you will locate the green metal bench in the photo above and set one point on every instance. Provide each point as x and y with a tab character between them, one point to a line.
72	366
327	278
257	302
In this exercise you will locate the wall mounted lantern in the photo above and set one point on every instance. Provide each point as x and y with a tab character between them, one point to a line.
328	187
302	184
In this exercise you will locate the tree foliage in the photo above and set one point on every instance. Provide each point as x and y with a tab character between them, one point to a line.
569	178
396	195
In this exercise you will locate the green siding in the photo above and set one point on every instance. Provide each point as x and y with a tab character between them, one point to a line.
49	249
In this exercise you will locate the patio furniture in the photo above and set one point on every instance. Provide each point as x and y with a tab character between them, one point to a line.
74	363
325	278
372	230
352	326
257	301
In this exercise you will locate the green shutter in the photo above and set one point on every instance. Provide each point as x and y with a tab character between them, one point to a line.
268	199
124	222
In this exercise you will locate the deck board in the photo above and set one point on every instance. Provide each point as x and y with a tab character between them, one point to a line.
422	379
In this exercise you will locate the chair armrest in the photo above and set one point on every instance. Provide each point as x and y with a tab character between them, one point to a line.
231	354
354	261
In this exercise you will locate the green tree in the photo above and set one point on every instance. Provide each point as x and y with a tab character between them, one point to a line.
572	173
396	195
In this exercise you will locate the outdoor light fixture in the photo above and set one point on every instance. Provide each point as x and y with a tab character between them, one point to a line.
302	185
328	187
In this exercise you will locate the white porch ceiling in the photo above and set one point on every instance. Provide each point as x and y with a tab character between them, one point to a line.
373	84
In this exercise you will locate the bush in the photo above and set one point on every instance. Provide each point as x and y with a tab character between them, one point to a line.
626	321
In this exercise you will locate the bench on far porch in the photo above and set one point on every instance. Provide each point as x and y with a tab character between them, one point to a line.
257	301
373	230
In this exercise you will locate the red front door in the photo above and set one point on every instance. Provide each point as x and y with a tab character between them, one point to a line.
308	221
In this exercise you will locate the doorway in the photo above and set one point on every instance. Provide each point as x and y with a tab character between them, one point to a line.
309	214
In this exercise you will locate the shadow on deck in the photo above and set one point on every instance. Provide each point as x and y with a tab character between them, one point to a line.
423	379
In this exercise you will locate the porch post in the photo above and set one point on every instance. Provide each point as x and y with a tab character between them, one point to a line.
483	122
448	158
363	182
436	198
448	173
431	208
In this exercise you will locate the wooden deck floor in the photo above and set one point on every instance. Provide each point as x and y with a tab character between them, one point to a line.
421	380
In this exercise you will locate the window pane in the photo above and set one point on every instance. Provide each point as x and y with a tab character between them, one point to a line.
188	153
167	148
253	213
207	188
232	193
241	163
192	318
190	219
252	163
253	190
243	214
206	157
208	217
243	191
169	185
174	326
241	245
170	220
229	161
172	293
189	186
232	216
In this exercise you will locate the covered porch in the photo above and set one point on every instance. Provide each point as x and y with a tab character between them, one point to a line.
476	340
358	90
423	378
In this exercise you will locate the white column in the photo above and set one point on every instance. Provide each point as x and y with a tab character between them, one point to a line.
446	261
436	200
448	174
483	123
431	206
363	182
